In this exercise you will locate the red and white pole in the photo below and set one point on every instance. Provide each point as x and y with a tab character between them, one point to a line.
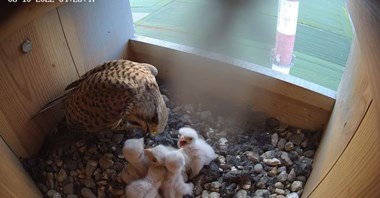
282	54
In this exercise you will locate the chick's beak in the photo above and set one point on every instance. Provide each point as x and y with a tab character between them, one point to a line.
182	141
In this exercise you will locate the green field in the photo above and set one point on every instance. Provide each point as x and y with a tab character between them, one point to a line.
322	43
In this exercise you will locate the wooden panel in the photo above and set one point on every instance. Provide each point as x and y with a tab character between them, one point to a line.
356	174
29	80
14	182
97	32
264	90
366	19
16	15
353	100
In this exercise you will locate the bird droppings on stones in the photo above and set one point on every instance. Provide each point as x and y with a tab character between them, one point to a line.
257	157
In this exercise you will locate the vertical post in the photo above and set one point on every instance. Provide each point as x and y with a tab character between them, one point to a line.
282	54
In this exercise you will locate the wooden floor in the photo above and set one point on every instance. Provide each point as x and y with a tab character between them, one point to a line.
322	43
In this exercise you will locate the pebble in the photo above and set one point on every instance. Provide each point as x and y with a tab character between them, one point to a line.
296	186
89	182
117	138
241	194
292	175
72	196
90	167
279	191
279	185
221	159
272	172
292	195
205	194
215	186
285	157
252	156
280	196
269	155
309	153
281	144
51	193
258	168
68	188
223	143
282	177
214	195
272	162
297	138
105	162
262	193
87	193
289	146
62	175
274	140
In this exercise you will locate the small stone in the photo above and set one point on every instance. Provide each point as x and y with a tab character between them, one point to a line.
274	139
282	177
252	156
59	163
269	154
221	159
281	144
215	186
68	188
50	180
262	183
89	182
309	153
87	193
62	175
116	190
279	191
105	162
90	167
292	175
272	196
301	178
42	187
285	157
214	195
258	168
262	193
272	172
281	169
72	196
57	195
79	143
205	194
280	196
296	186
102	192
272	162
223	143
289	146
304	143
279	185
51	193
241	194
246	183
297	138
292	195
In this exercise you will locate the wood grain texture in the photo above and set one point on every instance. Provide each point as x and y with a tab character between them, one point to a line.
366	20
21	14
193	75
29	80
14	181
97	32
353	100
356	174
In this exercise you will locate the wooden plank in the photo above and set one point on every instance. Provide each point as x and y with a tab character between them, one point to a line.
356	174
29	80
353	100
17	15
366	19
14	181
97	32
264	90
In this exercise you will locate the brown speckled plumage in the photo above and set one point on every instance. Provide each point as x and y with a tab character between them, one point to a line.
117	95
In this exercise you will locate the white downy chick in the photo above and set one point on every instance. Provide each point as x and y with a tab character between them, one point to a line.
137	167
156	155
147	187
174	185
198	151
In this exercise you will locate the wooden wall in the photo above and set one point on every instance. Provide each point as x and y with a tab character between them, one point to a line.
66	42
195	73
348	157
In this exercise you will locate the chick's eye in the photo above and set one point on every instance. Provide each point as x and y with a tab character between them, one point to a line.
190	139
154	160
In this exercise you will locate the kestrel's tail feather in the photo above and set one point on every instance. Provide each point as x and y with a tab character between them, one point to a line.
51	104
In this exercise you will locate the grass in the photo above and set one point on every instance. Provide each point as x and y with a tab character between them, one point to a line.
322	43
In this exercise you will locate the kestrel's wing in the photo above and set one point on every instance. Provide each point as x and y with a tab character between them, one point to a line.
103	98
